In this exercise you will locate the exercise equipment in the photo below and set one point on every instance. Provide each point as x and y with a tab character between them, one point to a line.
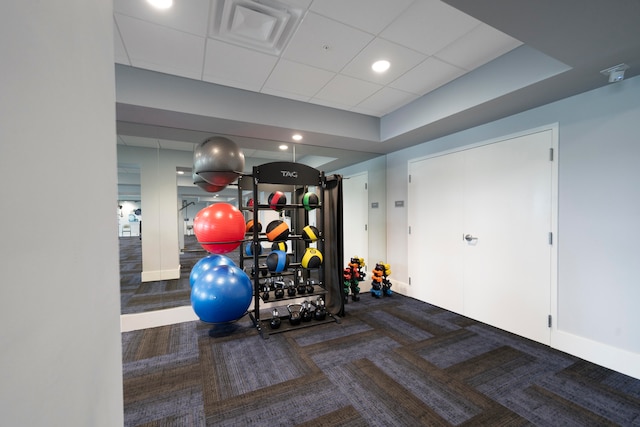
310	201
380	284
249	226
312	258
310	233
222	294
277	261
219	228
294	313
352	275
218	160
207	263
277	200
210	188
249	248
279	246
277	231
275	321
306	314
320	312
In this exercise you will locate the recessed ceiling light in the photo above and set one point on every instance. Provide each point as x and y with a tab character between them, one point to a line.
180	172
297	137
283	147
381	66
161	4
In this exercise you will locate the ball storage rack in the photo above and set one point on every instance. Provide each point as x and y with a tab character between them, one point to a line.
295	179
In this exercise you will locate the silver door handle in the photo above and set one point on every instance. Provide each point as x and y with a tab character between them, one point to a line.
469	238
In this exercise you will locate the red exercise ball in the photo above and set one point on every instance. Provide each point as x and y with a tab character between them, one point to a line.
219	228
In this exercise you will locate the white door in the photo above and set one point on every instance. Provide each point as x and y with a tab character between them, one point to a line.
498	196
435	214
507	205
355	216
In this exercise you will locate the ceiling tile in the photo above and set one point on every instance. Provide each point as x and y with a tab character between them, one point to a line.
477	47
324	43
158	48
285	94
428	26
187	16
401	59
347	90
235	66
371	16
120	53
296	78
427	76
384	101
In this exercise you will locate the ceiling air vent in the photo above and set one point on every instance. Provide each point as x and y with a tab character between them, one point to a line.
266	25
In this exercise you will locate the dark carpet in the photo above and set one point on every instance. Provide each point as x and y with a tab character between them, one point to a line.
394	361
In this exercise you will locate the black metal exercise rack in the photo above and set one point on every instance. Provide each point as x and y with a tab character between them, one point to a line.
296	179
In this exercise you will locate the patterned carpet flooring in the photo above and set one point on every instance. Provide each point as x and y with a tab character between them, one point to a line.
389	362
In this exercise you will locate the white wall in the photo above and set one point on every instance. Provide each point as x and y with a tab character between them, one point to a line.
599	217
376	169
60	363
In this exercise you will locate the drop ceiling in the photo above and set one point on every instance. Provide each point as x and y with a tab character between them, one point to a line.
454	64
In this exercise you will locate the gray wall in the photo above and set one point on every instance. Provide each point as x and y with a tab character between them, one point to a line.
599	215
60	363
376	172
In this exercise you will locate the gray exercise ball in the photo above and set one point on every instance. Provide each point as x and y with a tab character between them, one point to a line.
200	182
218	160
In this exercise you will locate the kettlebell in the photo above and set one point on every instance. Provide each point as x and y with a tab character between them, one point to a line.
309	288
294	313
302	288
279	293
291	290
305	312
320	313
275	320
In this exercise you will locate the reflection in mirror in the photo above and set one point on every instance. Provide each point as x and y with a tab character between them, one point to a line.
138	296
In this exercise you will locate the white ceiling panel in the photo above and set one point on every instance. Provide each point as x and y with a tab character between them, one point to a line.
159	48
477	47
384	101
347	90
428	26
371	16
401	58
428	76
235	66
187	16
324	43
296	78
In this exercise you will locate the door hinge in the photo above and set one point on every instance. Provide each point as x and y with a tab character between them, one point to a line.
409	229
550	238
549	322
365	227
409	280
409	178
365	186
551	154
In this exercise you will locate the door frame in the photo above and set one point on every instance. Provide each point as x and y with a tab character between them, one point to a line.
554	128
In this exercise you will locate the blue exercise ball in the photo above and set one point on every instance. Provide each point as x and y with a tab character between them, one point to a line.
222	294
207	263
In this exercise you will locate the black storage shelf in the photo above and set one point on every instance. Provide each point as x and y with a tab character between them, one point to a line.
290	178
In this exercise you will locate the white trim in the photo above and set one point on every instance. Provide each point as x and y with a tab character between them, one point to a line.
605	355
153	276
153	319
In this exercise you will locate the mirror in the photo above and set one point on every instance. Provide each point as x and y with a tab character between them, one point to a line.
138	296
